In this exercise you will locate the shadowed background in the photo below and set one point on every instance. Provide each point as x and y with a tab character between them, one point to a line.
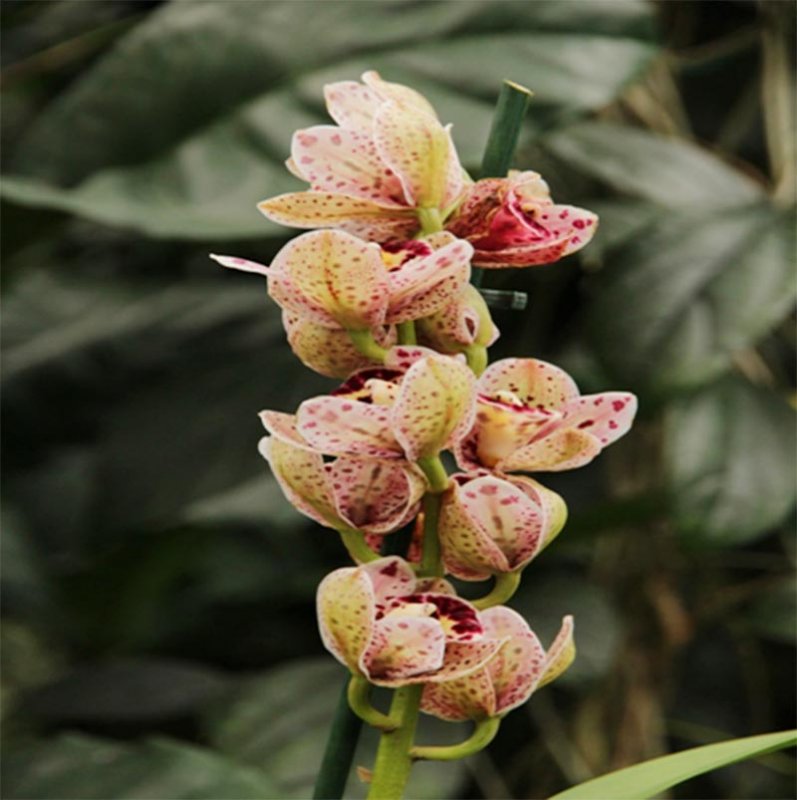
159	637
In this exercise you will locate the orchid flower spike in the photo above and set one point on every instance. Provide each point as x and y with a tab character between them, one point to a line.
512	222
387	163
490	525
509	678
530	416
394	630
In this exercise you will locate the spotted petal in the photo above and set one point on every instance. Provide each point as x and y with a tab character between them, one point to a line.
390	577
535	383
489	526
463	658
345	606
398	93
606	416
469	697
375	496
339	426
424	285
355	215
283	426
336	160
562	449
419	150
519	664
402	649
351	104
560	654
303	478
242	264
435	406
462	322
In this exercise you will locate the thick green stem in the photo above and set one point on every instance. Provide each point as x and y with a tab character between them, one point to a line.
430	219
506	584
406	333
435	473
355	544
476	356
341	744
482	735
393	760
359	692
366	345
430	561
510	109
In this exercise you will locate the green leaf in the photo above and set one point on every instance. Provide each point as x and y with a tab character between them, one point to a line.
245	75
670	172
88	768
730	456
650	778
266	727
679	298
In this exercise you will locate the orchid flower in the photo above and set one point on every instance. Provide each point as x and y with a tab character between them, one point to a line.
508	679
530	416
512	222
463	322
336	280
385	625
386	163
376	497
390	413
490	525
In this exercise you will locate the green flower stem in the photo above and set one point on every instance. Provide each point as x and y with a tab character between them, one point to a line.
477	358
360	703
366	345
513	101
506	584
406	333
430	561
435	473
430	219
341	744
393	760
355	544
482	735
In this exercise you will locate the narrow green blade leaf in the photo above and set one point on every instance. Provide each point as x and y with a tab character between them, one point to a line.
652	777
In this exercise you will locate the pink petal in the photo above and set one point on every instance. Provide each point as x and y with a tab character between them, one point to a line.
345	606
403	356
461	323
351	104
375	496
464	658
577	224
560	450
560	654
606	416
535	383
340	426
303	479
518	666
290	298
553	506
344	161
419	150
355	215
243	264
402	649
283	426
397	92
470	697
530	255
435	406
338	273
500	513
390	577
424	285
329	351
469	553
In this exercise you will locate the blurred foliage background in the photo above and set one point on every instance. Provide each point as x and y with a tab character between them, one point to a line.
159	638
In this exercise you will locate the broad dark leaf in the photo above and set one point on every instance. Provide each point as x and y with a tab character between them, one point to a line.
730	454
87	768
